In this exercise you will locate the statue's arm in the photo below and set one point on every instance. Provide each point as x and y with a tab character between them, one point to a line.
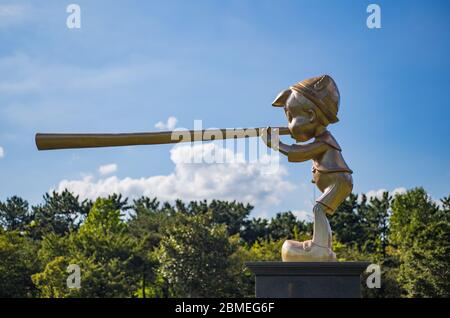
284	148
300	153
295	153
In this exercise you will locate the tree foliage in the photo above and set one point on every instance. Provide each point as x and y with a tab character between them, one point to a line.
152	249
421	234
17	264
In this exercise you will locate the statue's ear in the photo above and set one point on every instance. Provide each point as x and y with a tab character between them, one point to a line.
282	98
312	115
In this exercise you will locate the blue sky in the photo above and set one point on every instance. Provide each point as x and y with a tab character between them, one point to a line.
135	63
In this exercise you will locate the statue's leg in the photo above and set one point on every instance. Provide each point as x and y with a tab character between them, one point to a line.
316	250
322	230
335	187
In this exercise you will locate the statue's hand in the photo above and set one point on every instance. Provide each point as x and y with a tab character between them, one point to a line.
266	136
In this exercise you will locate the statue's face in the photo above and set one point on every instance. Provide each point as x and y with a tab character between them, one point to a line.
302	118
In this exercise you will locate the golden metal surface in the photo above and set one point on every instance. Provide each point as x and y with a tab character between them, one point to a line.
307	251
310	106
68	141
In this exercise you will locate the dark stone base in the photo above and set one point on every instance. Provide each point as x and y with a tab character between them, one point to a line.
308	279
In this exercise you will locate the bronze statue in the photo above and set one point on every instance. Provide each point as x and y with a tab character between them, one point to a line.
310	106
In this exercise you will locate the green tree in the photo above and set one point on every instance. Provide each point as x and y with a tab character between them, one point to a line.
14	214
375	224
254	230
285	225
52	281
17	264
194	257
60	213
420	231
232	214
346	222
102	248
146	226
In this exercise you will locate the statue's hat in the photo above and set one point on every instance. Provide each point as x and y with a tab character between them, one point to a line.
321	90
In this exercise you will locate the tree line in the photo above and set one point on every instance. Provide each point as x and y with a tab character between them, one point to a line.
148	248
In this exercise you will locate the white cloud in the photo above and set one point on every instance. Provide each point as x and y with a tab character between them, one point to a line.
107	169
169	125
399	190
303	215
236	180
11	14
379	193
2	152
375	194
10	10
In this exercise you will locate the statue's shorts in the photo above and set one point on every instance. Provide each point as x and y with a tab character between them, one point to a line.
336	186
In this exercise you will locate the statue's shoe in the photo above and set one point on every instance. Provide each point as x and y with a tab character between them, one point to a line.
307	251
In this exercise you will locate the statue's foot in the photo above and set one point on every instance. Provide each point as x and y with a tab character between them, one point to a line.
307	251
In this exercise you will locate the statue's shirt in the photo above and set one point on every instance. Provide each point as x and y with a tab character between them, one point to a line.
325	153
330	172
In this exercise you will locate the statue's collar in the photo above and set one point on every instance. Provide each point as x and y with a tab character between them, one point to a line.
328	138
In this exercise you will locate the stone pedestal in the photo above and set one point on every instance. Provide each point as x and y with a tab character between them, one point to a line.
308	279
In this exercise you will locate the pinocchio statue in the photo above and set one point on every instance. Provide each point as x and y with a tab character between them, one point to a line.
310	106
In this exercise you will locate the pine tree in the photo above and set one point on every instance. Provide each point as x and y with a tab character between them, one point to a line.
421	232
